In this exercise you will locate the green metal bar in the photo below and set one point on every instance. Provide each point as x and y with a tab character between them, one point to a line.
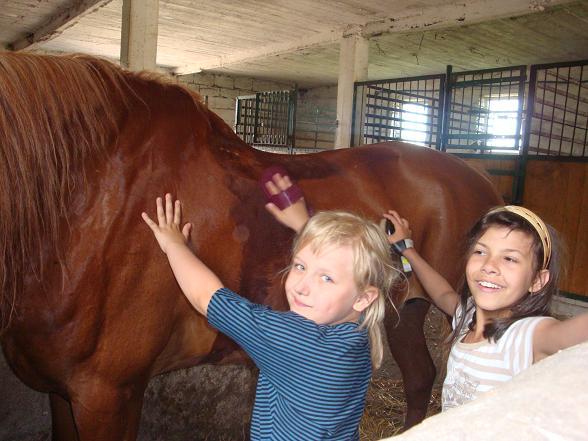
488	81
256	117
499	157
446	108
394	118
481	136
519	191
479	147
404	93
292	108
439	108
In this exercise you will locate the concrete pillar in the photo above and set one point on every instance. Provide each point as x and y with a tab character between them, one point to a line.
353	66
138	49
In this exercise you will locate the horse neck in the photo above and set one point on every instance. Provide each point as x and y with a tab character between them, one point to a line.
56	114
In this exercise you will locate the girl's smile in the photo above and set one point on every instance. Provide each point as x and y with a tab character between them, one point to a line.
488	285
299	303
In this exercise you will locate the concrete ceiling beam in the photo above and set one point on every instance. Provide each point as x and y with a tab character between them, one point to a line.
57	24
139	34
406	20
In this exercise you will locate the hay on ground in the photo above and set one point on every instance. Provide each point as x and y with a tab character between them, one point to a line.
385	407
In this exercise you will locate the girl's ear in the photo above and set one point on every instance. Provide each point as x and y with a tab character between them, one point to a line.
366	298
540	281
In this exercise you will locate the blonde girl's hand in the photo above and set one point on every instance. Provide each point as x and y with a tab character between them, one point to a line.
296	215
167	230
401	227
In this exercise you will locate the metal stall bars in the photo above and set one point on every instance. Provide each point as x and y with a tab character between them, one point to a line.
557	111
316	127
483	118
267	120
405	109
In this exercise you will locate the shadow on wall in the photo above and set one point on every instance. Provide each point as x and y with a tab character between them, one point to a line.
200	403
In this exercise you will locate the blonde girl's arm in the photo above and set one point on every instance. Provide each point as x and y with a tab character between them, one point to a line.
437	287
197	281
552	335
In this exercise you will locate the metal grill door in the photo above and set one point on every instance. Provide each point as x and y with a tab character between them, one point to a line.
267	119
557	110
483	113
405	109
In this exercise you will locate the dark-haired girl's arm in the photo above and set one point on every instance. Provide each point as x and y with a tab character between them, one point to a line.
437	287
554	335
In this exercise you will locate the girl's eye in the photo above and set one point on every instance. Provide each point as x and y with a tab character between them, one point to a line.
510	259
326	278
478	252
298	267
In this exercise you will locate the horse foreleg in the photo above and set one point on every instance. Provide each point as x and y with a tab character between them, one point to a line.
63	427
409	349
106	413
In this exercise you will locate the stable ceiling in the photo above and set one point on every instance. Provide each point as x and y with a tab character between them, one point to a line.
298	40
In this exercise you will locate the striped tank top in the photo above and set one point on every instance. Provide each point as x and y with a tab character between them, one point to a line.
475	368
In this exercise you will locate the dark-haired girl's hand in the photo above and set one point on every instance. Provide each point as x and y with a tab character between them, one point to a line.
401	227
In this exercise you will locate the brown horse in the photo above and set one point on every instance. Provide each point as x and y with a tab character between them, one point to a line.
90	309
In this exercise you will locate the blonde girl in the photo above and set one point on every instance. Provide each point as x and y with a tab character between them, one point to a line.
316	360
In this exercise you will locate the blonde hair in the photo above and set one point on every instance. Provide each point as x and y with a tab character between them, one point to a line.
372	263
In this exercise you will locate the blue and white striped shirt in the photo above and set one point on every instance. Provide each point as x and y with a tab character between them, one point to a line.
313	378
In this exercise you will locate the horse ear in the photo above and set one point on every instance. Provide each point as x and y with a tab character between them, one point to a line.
366	298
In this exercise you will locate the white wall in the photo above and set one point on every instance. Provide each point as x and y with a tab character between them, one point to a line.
221	91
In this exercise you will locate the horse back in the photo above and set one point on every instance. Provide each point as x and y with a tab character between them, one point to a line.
440	194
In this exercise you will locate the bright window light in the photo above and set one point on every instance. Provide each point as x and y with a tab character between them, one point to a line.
502	121
414	123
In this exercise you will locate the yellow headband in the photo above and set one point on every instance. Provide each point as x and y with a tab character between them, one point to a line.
536	222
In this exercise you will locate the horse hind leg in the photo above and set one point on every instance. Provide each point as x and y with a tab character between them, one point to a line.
63	427
409	348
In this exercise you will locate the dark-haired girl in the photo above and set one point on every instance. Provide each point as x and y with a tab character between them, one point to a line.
501	321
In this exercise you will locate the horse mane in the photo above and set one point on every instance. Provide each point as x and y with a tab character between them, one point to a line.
56	112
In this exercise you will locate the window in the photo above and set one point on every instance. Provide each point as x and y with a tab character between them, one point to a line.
502	123
414	123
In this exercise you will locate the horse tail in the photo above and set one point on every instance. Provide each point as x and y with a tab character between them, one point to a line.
55	113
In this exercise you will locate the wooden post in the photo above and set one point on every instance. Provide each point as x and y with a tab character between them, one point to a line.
353	66
138	49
